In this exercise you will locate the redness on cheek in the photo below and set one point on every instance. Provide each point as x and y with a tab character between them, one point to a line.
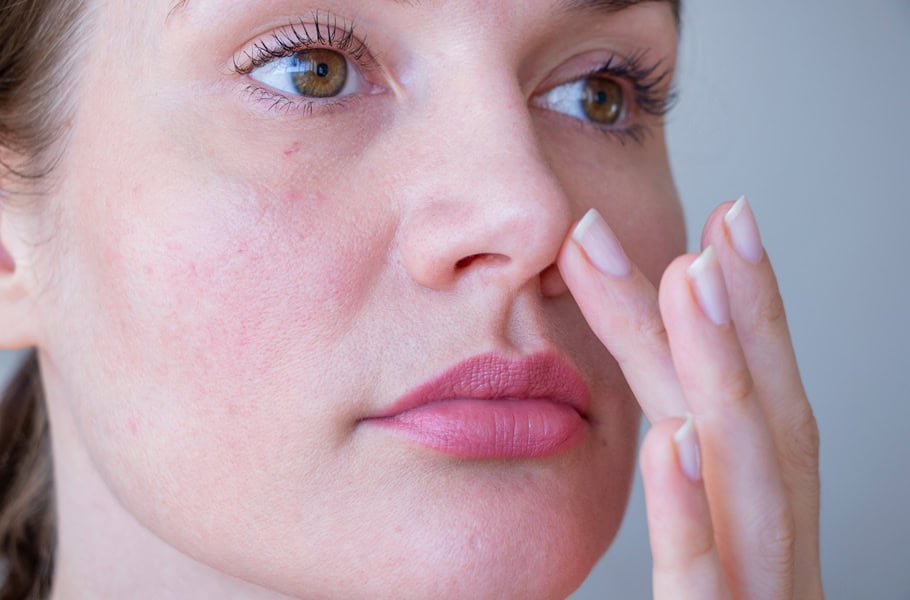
6	261
220	299
294	149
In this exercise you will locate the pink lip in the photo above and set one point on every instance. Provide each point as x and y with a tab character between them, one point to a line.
492	407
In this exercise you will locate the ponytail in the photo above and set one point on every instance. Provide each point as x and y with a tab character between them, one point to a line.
27	523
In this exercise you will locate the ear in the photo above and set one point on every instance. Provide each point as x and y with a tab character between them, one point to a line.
17	314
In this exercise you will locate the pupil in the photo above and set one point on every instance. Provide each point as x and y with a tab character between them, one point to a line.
601	97
322	70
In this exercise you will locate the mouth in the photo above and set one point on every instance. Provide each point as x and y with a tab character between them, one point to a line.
491	407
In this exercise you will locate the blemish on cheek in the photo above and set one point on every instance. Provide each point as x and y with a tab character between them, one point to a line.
292	197
294	149
133	426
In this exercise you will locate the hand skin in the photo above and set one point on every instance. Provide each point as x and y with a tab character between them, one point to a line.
744	525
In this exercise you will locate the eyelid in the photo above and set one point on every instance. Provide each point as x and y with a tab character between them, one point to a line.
325	31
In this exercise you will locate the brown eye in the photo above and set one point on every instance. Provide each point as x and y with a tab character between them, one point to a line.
318	73
602	100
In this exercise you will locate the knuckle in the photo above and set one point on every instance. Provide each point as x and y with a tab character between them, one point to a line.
738	387
650	328
777	544
646	327
697	546
802	443
770	312
701	547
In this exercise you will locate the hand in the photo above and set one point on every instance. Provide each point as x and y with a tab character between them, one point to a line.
732	510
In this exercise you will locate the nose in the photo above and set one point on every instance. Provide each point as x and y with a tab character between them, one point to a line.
481	202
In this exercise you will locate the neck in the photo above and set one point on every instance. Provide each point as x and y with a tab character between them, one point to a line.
102	550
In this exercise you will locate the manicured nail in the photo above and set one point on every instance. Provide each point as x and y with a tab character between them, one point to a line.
744	231
601	245
687	452
708	283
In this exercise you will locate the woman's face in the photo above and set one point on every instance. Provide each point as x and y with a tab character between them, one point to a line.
244	277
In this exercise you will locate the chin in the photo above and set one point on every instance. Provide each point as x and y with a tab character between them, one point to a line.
504	540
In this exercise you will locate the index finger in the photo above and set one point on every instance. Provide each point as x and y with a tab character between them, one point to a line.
621	307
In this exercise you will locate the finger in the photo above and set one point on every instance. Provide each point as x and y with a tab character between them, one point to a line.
761	325
750	508
620	305
686	562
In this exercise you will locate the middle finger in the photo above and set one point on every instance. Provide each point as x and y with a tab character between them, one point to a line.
749	504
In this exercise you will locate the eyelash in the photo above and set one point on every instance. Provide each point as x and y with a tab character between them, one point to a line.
647	83
294	38
643	81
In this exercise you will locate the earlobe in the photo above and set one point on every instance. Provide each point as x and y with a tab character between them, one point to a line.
16	314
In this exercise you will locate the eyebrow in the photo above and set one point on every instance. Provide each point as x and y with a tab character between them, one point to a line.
565	6
610	6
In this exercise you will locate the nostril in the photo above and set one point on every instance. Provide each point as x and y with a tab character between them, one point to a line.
466	261
487	257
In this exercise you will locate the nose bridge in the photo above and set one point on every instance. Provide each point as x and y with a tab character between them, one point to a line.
480	197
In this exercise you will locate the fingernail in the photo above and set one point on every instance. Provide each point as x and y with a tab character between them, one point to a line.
708	283
687	452
601	245
744	231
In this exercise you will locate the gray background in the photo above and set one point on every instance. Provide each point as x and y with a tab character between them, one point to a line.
803	105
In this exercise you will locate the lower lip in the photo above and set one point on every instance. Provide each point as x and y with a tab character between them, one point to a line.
471	428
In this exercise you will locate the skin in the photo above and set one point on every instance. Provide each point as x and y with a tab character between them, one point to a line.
224	291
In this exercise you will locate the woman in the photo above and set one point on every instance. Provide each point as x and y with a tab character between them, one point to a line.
321	310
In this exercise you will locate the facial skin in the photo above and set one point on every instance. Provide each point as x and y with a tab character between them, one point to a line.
231	288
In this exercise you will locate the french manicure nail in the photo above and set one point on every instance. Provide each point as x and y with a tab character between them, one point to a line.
601	245
744	231
708	283
687	452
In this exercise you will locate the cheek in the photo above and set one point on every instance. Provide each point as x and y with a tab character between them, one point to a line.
213	319
221	287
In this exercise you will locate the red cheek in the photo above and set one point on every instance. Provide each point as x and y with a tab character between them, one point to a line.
292	197
294	149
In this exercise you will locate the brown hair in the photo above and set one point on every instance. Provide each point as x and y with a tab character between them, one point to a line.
27	527
38	54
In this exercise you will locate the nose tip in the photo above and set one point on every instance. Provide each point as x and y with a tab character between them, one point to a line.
494	238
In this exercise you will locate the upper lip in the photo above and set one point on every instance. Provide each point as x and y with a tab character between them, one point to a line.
542	376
